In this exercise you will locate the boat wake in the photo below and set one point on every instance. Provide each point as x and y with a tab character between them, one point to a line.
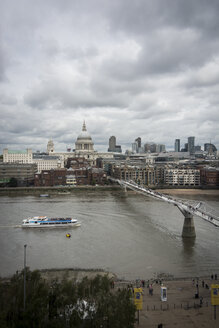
10	226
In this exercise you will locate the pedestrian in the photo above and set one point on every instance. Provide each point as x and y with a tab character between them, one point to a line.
215	276
203	283
150	290
201	301
212	277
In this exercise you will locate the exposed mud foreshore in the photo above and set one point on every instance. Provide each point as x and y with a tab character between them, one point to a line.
210	192
37	191
62	190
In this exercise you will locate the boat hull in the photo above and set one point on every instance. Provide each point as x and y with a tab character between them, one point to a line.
36	225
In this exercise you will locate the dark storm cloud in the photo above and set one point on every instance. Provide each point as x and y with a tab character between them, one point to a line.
173	35
139	18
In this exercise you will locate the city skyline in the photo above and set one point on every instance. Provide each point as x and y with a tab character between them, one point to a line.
130	69
71	147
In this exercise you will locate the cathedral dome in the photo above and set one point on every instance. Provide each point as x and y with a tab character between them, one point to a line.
84	141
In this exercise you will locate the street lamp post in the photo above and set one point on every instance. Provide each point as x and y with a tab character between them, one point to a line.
25	246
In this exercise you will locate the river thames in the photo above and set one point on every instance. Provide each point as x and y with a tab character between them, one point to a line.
131	235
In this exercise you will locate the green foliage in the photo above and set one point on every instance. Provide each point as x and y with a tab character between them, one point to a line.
89	303
13	182
93	182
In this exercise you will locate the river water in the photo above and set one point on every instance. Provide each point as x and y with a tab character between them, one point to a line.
129	234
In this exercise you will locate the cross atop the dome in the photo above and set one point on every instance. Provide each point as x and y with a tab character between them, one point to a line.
84	127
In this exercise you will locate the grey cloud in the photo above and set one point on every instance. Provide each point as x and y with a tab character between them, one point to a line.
140	17
54	94
50	47
174	35
73	52
117	61
3	61
170	51
206	76
6	99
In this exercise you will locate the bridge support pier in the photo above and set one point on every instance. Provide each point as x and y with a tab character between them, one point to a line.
188	226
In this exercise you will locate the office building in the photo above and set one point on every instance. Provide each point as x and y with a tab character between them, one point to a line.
112	143
160	148
138	140
22	172
191	145
177	145
113	147
134	147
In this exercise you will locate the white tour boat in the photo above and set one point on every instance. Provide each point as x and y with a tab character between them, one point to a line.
44	221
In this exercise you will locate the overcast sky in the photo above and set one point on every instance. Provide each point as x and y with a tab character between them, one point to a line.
129	68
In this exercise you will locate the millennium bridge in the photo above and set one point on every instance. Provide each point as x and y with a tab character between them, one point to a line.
188	208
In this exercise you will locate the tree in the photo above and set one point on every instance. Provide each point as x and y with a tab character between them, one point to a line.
13	182
89	303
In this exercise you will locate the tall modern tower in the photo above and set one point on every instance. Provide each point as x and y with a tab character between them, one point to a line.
138	140
177	145
191	145
112	143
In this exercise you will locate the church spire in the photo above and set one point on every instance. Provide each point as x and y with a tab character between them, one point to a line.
84	127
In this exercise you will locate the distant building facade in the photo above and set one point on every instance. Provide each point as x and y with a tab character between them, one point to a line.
177	145
191	145
210	177
160	148
50	178
210	148
23	172
140	174
138	141
113	147
46	162
17	156
182	177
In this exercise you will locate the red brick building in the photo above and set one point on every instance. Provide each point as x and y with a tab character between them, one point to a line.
49	178
83	176
209	177
77	163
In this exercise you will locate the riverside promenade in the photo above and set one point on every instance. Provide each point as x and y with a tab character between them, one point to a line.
182	309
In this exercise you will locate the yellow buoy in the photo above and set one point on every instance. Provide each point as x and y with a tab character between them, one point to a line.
68	235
